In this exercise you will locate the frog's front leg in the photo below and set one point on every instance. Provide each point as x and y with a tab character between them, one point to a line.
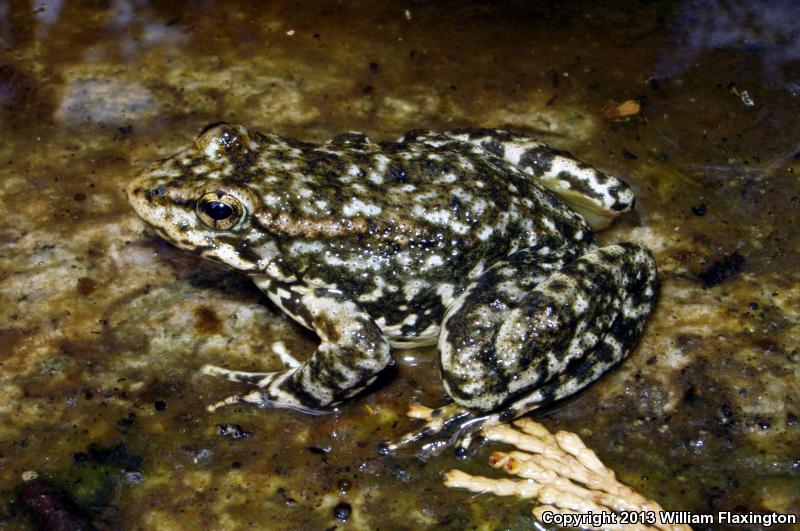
352	352
506	350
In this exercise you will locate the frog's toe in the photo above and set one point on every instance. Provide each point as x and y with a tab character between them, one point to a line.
252	378
253	397
270	392
450	426
263	400
463	445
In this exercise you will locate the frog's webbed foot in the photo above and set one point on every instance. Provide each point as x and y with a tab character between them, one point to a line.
450	426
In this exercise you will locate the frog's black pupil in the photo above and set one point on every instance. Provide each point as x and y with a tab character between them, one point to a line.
217	210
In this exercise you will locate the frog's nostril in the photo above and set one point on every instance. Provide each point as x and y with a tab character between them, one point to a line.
155	193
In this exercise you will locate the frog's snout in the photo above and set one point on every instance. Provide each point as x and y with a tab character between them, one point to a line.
137	193
138	190
151	195
143	191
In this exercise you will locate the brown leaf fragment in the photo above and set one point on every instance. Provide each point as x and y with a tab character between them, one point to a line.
613	110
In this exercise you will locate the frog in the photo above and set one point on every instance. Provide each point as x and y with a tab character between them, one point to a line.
479	241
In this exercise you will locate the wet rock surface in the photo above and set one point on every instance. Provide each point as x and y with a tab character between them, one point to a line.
104	326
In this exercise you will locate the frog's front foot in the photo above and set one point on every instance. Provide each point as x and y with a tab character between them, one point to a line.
267	393
351	354
445	427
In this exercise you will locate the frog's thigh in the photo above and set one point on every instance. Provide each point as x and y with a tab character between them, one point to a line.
351	353
552	340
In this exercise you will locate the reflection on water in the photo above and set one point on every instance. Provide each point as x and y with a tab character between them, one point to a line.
768	29
108	101
131	18
47	12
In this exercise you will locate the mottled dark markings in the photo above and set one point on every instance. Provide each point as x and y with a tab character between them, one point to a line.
352	139
579	185
558	286
508	414
426	299
396	173
196	161
605	279
327	329
152	194
293	304
202	250
494	147
539	159
298	390
619	206
409	331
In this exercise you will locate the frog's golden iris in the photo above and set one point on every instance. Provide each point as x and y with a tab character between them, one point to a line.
219	210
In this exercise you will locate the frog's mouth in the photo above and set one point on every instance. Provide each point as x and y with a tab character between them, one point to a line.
594	213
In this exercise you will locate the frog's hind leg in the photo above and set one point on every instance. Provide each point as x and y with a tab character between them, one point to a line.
494	347
596	196
518	274
613	346
259	379
442	427
507	350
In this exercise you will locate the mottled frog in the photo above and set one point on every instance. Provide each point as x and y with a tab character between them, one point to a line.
478	239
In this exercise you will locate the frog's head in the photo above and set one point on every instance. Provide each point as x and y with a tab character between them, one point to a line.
200	200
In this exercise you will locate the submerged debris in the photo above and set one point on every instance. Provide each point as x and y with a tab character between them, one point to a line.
700	210
744	96
612	109
51	508
233	431
560	473
746	99
722	269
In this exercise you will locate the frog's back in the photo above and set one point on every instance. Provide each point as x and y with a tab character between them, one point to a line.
403	227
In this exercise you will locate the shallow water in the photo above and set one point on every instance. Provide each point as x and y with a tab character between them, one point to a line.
103	326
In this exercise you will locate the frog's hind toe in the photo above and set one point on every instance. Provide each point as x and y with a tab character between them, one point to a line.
450	426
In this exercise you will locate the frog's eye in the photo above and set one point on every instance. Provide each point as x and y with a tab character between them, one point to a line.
219	210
